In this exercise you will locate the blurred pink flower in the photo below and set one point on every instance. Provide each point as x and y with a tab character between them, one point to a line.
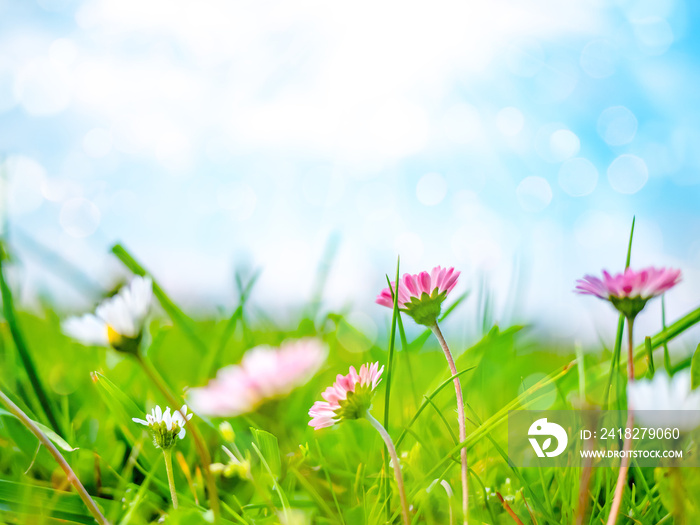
646	283
349	397
421	295
264	373
629	291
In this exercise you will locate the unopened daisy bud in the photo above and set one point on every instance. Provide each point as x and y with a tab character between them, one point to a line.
166	428
630	291
217	468
236	467
227	431
118	321
421	295
349	398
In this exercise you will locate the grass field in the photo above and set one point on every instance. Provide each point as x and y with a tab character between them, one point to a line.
288	472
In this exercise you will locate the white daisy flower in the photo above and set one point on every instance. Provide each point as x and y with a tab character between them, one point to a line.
165	427
118	321
665	402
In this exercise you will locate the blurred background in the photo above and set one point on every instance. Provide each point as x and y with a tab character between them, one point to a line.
514	140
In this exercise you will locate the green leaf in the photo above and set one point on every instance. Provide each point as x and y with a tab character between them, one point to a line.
269	448
58	440
695	369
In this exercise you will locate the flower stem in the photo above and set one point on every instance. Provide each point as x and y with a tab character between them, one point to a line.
630	349
44	440
461	418
168	455
204	456
395	462
625	461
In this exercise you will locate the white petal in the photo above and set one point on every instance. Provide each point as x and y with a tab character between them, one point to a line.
138	297
88	329
141	421
115	313
158	414
181	434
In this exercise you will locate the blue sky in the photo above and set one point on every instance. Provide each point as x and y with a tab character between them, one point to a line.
487	136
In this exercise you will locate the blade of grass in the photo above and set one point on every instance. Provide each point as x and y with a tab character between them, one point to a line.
330	482
392	342
9	313
229	329
178	316
499	417
485	495
275	483
667	356
390	364
423	406
444	420
512	466
46	442
650	356
615	362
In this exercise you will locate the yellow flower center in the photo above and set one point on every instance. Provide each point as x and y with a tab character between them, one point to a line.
115	339
122	343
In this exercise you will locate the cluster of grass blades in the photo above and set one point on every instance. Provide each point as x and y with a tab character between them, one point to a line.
82	401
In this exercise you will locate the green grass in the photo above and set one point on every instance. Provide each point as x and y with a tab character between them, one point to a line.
298	475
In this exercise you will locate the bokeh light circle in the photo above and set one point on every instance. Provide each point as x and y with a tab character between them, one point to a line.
554	142
598	59
617	126
654	35
628	174
564	144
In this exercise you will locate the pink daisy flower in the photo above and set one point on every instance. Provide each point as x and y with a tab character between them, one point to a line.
629	291
349	398
421	295
264	373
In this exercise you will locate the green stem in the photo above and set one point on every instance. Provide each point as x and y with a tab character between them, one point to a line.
395	462
627	446
44	440
461	418
168	455
204	456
